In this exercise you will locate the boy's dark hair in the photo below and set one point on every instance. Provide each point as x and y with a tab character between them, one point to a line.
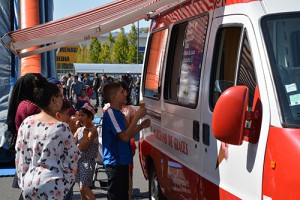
65	106
110	89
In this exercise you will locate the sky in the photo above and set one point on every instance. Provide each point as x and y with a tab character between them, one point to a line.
66	8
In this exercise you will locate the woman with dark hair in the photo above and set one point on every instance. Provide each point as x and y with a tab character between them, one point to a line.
46	153
21	105
87	137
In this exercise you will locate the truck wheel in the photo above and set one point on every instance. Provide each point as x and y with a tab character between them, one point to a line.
155	192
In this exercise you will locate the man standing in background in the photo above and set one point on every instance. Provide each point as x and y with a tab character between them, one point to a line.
96	85
87	80
75	89
100	90
69	83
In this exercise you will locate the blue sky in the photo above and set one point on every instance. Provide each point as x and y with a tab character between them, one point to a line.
65	8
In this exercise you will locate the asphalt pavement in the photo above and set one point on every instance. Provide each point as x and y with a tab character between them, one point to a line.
140	186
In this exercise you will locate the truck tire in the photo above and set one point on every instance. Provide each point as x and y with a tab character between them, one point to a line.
155	192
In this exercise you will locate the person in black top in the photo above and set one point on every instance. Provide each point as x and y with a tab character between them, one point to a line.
103	82
96	85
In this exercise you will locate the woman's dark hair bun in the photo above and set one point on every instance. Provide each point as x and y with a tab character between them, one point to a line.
44	92
40	82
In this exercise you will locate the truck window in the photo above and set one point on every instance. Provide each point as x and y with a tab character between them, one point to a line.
281	33
154	58
246	73
185	53
225	60
224	69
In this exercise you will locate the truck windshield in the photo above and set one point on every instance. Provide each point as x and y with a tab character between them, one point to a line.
282	37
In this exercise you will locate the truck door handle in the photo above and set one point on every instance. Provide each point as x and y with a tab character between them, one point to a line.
205	133
196	131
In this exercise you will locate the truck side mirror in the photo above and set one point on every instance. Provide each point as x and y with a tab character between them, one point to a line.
229	116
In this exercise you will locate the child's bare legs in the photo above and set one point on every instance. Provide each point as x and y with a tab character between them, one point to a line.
86	193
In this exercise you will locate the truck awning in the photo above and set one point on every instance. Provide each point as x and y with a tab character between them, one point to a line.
83	26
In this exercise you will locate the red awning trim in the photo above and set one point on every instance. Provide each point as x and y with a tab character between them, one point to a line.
165	8
82	26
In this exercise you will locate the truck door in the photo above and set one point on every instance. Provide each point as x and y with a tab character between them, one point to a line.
151	89
180	109
233	58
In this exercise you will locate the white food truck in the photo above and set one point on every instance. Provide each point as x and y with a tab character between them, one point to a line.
220	83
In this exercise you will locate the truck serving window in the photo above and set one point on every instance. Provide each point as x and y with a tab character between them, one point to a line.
282	37
185	53
154	59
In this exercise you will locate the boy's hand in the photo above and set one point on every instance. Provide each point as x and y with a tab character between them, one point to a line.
141	113
146	123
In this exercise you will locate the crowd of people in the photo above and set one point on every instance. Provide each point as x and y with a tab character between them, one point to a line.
56	141
81	87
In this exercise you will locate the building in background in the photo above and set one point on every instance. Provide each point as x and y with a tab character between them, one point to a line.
66	56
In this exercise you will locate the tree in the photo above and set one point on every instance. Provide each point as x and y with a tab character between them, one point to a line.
120	48
94	50
132	40
111	40
82	55
104	55
144	30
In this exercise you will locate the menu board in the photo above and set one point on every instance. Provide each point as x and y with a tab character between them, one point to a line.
191	60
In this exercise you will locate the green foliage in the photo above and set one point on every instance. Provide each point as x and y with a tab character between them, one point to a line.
94	50
104	55
132	36
120	48
144	30
132	50
141	58
111	40
82	55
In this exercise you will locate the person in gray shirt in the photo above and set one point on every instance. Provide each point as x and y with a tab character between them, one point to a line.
68	86
75	89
